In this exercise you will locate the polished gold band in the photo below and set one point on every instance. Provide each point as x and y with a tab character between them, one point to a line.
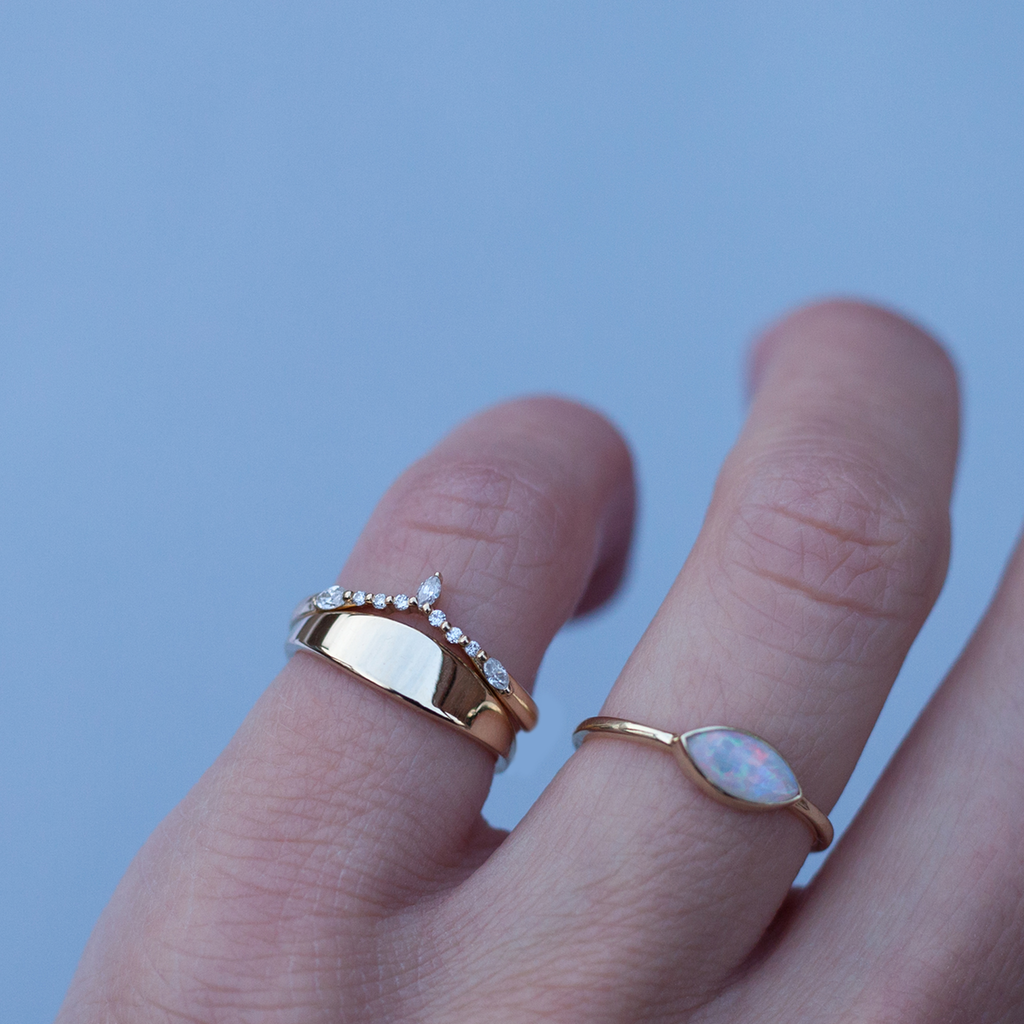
409	666
491	672
733	766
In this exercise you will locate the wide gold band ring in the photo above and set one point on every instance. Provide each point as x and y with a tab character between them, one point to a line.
409	666
519	704
733	766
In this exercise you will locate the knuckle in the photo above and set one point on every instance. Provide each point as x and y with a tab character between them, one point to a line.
833	538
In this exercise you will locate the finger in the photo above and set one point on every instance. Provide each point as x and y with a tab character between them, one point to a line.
919	915
334	805
823	550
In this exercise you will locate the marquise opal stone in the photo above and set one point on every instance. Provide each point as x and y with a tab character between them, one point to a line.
742	766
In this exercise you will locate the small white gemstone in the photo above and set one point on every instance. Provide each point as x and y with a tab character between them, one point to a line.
496	674
359	597
430	590
401	602
436	617
380	600
472	648
454	635
332	597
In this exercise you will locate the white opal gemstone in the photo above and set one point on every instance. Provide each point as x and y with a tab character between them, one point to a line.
332	597
401	602
497	674
743	766
430	590
436	617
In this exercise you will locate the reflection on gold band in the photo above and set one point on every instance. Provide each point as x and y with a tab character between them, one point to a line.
677	744
519	704
409	666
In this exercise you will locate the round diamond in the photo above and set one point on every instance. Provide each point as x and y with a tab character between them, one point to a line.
454	635
429	591
332	597
436	617
401	602
380	601
359	597
473	648
497	674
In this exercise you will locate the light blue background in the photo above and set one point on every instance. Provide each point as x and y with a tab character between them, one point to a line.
255	257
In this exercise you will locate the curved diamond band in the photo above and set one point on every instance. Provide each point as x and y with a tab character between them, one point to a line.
733	766
515	699
408	665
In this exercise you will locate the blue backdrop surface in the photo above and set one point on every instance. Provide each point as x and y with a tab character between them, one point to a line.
258	256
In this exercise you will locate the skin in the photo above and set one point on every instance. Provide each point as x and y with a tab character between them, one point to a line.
332	865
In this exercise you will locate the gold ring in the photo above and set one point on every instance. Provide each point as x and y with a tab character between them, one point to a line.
408	665
516	700
735	767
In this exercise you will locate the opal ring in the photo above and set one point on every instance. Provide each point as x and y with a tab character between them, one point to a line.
516	701
735	767
411	667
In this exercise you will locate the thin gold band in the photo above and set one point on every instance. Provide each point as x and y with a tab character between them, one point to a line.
708	775
408	665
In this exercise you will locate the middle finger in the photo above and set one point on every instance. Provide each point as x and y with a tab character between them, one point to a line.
823	551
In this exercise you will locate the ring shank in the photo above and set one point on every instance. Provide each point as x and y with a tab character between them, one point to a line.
627	730
816	820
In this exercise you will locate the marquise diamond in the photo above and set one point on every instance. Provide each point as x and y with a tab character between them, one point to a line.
429	591
332	597
497	674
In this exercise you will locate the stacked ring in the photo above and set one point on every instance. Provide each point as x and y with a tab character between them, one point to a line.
514	698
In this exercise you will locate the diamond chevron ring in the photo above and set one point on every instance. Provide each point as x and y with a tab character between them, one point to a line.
408	665
519	704
735	767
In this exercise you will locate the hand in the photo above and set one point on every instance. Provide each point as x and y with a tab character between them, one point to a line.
333	864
